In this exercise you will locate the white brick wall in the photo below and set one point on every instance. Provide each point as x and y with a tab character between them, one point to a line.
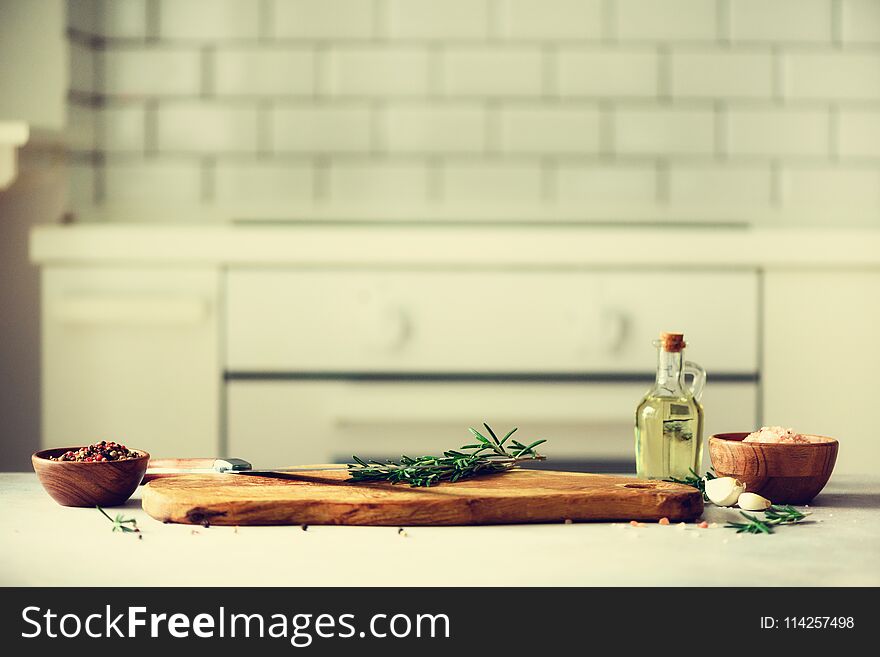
674	20
781	20
435	128
383	71
322	19
499	71
551	19
778	132
608	72
429	19
660	130
860	133
861	21
144	72
737	107
834	75
322	128
570	129
704	73
207	128
209	19
264	71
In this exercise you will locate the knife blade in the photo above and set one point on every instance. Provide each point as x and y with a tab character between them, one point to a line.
229	466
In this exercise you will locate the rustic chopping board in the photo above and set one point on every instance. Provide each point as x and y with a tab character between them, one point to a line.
329	498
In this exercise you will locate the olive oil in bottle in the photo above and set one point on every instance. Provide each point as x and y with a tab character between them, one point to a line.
669	419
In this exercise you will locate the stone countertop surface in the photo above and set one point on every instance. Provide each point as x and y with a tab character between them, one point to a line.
433	245
44	544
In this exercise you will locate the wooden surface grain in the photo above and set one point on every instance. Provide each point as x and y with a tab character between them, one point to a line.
329	498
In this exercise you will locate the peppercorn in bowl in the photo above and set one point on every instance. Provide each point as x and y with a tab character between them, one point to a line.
104	473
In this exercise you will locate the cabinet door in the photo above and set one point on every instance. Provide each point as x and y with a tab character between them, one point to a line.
290	422
822	358
131	355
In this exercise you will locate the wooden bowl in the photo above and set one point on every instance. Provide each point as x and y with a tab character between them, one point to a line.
789	473
78	483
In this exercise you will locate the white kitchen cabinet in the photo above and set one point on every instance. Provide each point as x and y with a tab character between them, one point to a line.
822	358
132	355
355	320
290	422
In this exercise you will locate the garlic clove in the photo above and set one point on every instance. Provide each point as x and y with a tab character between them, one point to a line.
752	502
724	491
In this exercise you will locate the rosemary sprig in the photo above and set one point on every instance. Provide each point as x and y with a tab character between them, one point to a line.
696	481
120	524
486	456
773	516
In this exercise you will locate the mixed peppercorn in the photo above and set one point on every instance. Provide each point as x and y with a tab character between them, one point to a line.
102	451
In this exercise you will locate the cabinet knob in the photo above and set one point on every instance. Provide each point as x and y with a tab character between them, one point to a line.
385	328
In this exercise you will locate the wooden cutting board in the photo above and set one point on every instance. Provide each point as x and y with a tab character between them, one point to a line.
329	498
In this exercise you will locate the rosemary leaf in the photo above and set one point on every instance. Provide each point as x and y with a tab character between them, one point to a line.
486	457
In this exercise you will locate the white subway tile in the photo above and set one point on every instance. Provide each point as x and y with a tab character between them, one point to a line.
151	71
430	19
549	129
323	19
81	185
860	22
685	20
836	76
600	184
706	73
380	183
435	128
860	133
81	128
495	183
714	185
664	130
255	182
391	71
838	187
209	19
84	15
777	132
607	72
152	183
82	69
122	128
207	127
508	71
781	20
124	18
322	128
264	71
551	19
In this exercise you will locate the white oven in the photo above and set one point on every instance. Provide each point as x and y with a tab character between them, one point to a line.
324	363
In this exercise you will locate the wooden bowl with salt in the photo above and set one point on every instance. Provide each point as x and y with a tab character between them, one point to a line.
784	473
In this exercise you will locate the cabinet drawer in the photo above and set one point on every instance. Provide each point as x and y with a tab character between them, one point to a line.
485	321
272	422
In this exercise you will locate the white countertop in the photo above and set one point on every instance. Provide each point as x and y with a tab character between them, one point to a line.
42	543
411	245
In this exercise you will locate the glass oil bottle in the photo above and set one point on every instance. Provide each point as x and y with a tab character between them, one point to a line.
669	419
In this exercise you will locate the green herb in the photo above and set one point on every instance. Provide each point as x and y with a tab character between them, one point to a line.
696	481
120	524
773	516
487	456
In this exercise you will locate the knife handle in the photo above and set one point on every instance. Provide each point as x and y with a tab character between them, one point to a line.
159	468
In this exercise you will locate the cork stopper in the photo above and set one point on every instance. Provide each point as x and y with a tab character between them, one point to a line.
672	342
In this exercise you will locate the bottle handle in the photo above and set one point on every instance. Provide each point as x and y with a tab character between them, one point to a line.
699	378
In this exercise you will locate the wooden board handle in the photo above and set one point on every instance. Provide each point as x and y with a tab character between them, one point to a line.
156	468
